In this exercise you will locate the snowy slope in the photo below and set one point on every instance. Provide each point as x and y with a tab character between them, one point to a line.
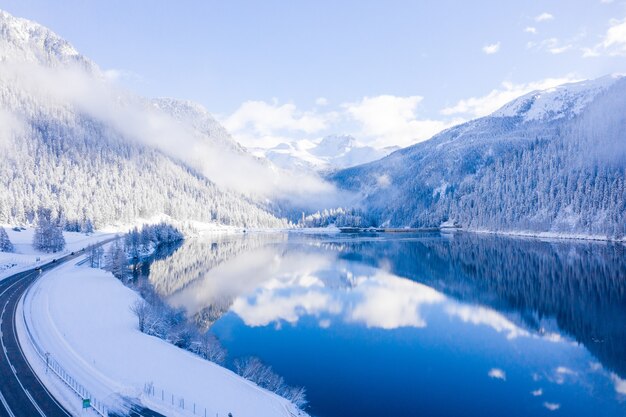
70	140
25	256
550	161
564	101
194	115
82	317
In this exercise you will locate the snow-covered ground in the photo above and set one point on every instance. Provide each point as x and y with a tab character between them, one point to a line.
82	317
25	256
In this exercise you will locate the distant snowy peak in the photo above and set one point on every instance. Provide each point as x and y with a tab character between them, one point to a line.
24	41
334	145
564	101
330	153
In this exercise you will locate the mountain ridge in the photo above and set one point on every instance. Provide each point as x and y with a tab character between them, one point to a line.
560	173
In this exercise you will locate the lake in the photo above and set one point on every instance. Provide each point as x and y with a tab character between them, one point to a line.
416	324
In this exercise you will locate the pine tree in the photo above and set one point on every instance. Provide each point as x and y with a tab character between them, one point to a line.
48	235
5	243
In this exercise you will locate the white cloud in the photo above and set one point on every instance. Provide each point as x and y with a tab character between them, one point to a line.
321	101
116	75
392	120
551	45
544	17
484	105
383	181
491	48
537	392
266	118
497	373
613	42
531	29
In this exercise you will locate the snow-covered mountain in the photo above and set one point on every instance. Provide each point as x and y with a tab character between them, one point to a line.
551	160
193	115
564	101
28	42
328	154
71	141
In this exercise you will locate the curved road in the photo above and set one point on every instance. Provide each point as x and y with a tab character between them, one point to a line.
22	393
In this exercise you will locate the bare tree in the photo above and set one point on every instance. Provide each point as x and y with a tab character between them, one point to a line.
209	347
95	255
117	262
264	376
141	310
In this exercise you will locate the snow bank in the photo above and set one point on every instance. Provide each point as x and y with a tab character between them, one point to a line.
25	256
82	317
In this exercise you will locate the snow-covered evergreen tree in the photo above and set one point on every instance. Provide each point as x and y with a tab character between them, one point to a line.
48	236
117	262
5	242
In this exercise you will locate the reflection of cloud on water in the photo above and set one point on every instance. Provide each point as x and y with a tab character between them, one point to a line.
268	306
380	300
561	373
388	302
295	284
552	406
620	384
244	273
270	283
485	316
497	373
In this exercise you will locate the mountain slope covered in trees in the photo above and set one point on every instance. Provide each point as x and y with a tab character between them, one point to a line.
72	143
550	161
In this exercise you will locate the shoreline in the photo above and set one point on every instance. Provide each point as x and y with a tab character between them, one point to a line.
513	234
115	360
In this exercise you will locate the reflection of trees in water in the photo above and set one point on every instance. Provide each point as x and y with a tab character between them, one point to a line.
194	259
143	266
212	313
198	256
581	286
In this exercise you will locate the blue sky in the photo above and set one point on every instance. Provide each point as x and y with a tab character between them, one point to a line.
388	72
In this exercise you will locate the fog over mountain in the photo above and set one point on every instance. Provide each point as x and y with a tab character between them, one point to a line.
74	141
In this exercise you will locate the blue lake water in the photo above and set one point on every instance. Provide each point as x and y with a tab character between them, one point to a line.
419	324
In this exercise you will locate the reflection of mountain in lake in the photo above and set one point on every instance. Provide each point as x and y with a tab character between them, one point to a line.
581	286
190	264
197	256
560	287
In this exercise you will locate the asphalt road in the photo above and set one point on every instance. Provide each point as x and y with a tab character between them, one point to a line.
22	394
